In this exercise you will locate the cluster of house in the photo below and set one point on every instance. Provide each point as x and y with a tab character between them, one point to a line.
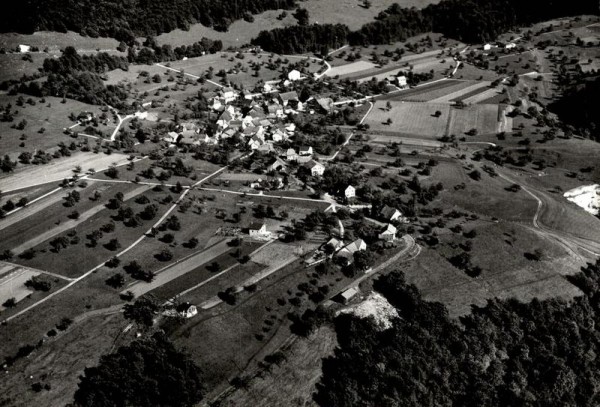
488	46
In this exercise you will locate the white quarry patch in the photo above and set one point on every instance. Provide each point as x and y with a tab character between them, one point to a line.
377	307
586	197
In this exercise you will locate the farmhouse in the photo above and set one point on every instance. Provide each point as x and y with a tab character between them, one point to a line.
277	164
294	75
401	81
347	295
171	137
287	97
326	104
257	229
291	155
316	169
306	150
390	214
348	251
335	243
228	94
389	233
487	47
350	192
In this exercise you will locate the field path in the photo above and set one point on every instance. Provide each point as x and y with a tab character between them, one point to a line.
128	248
566	239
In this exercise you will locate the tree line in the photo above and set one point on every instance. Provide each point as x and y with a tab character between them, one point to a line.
465	20
507	353
125	20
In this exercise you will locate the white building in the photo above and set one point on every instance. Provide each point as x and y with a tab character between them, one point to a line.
306	150
487	47
316	169
257	229
401	80
389	233
390	214
348	251
350	192
294	75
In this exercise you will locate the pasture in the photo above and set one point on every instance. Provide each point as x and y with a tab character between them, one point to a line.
12	282
409	118
58	169
484	118
13	67
54	42
52	115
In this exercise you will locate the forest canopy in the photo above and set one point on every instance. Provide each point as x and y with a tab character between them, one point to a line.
126	19
465	20
149	372
507	353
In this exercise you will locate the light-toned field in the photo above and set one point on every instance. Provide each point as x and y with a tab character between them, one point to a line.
351	68
484	118
449	97
410	118
12	282
428	93
56	41
12	66
52	115
59	169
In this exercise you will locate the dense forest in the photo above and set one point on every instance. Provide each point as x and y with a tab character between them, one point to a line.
299	39
126	19
149	372
465	20
507	353
578	107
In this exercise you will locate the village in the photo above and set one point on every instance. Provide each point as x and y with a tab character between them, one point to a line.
239	198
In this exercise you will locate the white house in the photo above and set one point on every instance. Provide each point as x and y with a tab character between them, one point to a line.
294	75
257	229
228	94
389	233
350	192
306	150
510	45
487	47
24	48
401	81
316	169
335	243
390	214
